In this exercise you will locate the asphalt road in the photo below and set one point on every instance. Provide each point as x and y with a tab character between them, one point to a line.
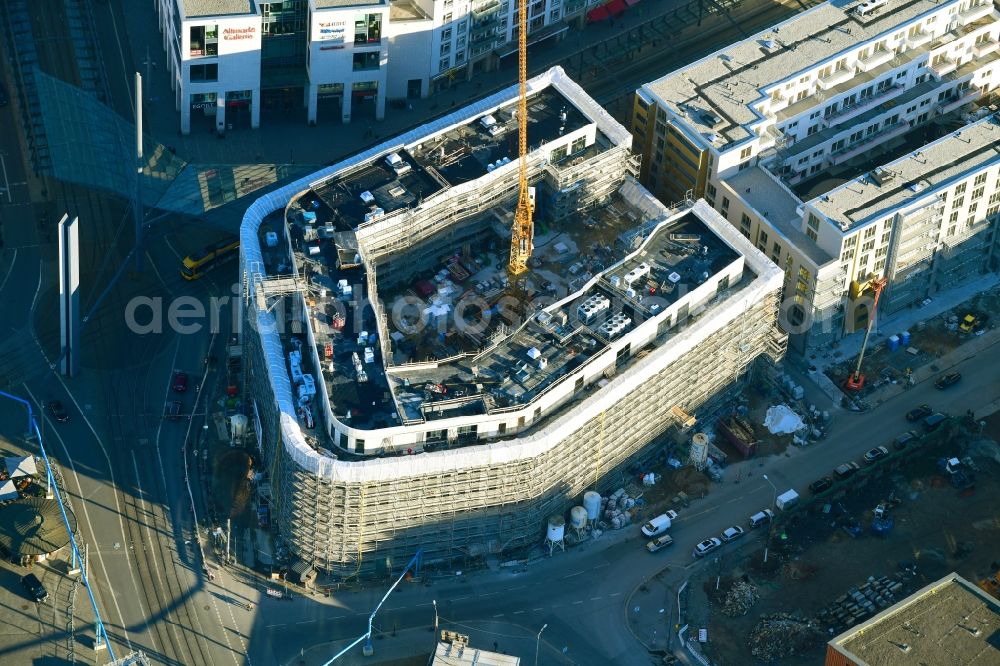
581	594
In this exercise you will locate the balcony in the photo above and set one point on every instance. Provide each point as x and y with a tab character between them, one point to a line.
834	78
918	39
954	102
975	12
485	9
984	48
860	107
868	142
943	65
875	59
573	6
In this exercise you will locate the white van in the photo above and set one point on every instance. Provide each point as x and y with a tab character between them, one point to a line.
660	524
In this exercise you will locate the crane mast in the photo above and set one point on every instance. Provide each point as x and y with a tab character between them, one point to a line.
523	231
857	379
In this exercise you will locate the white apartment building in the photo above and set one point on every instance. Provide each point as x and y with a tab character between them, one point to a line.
337	59
780	129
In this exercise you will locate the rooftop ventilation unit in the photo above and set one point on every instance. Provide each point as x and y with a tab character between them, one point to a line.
591	307
615	326
870	7
881	176
636	273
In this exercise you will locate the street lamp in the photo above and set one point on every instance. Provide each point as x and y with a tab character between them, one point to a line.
774	502
434	601
538	639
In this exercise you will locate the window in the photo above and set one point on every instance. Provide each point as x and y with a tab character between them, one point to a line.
958	202
444	64
980	179
725	203
885	237
208	72
367	29
868	246
445	48
881	252
763	237
812	130
204	40
745	153
460	57
710	190
812	234
978	192
366	61
446	35
869	232
812	221
953	217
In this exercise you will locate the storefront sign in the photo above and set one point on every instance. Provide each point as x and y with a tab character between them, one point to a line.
203	105
331	31
332	47
233	34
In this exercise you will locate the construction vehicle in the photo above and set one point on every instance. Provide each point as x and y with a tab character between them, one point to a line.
856	381
969	323
523	231
194	266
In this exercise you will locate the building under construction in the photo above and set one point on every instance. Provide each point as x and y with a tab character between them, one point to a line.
404	399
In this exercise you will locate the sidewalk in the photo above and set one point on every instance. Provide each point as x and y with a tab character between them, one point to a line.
848	347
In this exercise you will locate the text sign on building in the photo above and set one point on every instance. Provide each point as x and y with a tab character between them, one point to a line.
331	31
234	34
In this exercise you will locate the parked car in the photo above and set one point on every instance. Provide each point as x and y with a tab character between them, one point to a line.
660	542
180	383
761	518
934	421
906	439
919	412
846	470
944	381
732	533
876	454
58	412
821	484
706	547
34	588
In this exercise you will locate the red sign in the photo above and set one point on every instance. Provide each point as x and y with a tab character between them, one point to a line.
231	34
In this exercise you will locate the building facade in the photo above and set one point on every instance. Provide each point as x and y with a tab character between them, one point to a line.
336	58
775	130
382	450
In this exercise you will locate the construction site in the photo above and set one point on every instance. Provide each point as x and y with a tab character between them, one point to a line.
847	554
411	390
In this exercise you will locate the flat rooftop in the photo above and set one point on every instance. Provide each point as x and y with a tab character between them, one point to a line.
406	11
195	8
728	81
949	622
461	154
779	206
919	173
453	654
336	4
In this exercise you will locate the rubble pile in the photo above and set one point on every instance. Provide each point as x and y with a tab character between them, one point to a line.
781	635
740	599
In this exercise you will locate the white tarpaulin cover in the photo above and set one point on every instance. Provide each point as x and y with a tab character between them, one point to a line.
781	420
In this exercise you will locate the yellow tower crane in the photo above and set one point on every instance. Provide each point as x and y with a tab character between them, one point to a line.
523	232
